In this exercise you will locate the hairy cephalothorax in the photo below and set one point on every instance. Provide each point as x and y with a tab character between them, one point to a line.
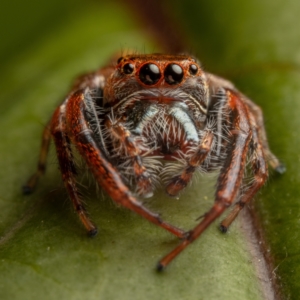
154	120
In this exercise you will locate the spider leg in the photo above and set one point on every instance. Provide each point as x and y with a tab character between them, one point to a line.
143	180
216	82
67	166
262	136
41	167
230	178
180	182
105	174
260	170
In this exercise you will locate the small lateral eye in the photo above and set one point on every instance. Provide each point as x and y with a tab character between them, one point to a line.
128	68
193	69
173	74
119	59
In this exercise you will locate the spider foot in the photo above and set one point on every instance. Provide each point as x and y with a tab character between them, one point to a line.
159	267
30	185
277	165
281	168
175	186
144	188
27	190
93	232
223	228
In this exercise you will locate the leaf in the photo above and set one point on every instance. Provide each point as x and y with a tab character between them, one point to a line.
44	252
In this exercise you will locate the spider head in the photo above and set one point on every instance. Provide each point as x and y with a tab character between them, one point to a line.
157	75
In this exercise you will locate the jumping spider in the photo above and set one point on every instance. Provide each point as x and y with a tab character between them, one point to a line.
152	116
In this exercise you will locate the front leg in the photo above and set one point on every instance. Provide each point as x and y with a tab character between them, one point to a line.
67	165
106	175
231	175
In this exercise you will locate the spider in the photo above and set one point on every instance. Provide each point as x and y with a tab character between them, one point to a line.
155	118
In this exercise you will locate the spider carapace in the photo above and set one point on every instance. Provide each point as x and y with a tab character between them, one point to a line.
155	119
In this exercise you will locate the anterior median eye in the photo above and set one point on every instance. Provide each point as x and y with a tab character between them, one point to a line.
150	74
173	74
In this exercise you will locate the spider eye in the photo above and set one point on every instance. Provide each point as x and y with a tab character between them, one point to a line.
173	74
128	68
119	59
149	74
193	69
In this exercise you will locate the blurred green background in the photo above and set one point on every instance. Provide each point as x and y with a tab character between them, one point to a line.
43	250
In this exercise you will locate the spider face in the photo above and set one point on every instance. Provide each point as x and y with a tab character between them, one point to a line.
156	72
157	119
161	98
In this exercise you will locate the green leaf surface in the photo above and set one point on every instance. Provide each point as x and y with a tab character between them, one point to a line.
44	252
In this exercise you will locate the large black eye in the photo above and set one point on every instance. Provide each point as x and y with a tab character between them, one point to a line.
173	74
149	74
128	68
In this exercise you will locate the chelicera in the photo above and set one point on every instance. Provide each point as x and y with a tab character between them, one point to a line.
157	119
